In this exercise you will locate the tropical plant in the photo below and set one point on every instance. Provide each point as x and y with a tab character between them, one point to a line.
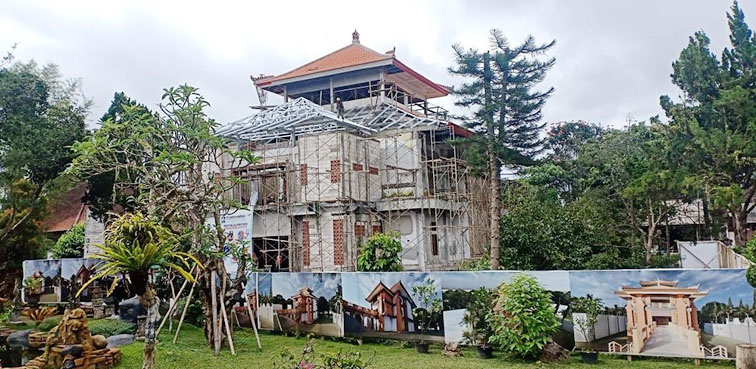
70	244
134	245
429	307
37	315
381	253
33	284
589	308
476	318
523	319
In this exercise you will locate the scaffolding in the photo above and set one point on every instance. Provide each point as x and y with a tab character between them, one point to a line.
324	184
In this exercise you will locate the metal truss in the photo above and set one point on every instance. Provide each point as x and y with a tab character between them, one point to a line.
302	116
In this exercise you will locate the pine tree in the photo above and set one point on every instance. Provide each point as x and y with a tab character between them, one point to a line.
506	111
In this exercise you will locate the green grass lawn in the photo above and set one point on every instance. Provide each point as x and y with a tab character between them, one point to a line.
191	353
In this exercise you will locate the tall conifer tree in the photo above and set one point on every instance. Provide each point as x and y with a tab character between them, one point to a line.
499	89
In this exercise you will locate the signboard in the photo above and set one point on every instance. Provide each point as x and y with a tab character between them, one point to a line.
237	227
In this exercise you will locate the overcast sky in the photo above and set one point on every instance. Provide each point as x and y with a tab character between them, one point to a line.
613	58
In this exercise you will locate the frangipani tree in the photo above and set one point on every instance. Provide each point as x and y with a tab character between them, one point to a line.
134	245
171	165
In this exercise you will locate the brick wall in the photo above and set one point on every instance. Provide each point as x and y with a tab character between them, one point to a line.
306	243
338	241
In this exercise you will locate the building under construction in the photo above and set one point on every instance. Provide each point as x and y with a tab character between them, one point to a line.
357	149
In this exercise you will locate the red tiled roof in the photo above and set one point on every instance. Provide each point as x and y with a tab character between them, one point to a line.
349	56
68	211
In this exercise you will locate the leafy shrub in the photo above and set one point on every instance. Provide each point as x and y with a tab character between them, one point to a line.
523	319
70	244
381	253
110	327
5	314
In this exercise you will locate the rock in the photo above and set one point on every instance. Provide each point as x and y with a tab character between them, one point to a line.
130	309
552	352
19	339
100	342
120	339
73	350
452	350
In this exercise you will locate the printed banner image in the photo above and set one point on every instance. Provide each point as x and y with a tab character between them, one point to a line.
393	305
42	281
458	294
303	302
679	313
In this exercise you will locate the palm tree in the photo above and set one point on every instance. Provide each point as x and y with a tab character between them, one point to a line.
134	245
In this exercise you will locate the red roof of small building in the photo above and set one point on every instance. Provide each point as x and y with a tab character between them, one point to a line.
68	211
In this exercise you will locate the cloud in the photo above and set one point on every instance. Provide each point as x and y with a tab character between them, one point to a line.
613	58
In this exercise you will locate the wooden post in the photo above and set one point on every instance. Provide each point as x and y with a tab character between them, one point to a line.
214	305
225	320
745	356
183	313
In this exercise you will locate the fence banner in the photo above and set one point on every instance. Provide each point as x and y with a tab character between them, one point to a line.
656	312
664	311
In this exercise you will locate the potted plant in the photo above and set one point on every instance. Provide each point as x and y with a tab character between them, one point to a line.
589	309
476	319
33	288
427	313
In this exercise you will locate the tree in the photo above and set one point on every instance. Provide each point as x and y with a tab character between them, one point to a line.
591	308
506	110
429	307
633	167
70	244
713	124
134	245
40	117
381	253
103	197
523	319
172	166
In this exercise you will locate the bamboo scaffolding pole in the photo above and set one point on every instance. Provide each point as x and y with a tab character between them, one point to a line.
225	320
183	313
254	323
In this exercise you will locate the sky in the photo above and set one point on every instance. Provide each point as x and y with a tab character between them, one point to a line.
720	284
613	57
321	284
550	280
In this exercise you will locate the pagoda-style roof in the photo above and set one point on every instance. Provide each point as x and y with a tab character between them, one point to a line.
660	288
397	289
354	57
305	292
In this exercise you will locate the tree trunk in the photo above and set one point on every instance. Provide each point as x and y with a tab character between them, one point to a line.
740	219
493	163
150	301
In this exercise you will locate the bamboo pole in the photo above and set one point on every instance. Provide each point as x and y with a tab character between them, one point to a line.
214	305
183	313
254	322
174	303
225	320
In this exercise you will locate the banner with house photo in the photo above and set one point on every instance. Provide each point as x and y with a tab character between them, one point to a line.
677	313
392	305
301	302
48	286
458	293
